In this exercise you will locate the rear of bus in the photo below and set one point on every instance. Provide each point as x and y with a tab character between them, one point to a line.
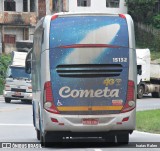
92	76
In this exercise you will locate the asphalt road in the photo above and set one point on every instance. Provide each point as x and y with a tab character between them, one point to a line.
16	126
148	103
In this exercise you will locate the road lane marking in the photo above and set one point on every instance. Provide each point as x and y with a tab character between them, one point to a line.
97	150
6	109
5	124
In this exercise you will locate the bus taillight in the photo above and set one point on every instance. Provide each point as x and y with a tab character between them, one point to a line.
130	102
48	98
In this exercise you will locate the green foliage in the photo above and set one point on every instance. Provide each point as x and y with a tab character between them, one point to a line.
142	10
156	21
148	121
155	56
4	62
148	40
143	39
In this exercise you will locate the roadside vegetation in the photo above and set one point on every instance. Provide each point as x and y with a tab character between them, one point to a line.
148	121
155	56
146	12
4	62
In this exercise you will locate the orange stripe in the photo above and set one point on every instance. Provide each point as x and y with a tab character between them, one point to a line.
87	108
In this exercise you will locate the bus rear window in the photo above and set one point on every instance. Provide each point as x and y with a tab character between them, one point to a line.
71	30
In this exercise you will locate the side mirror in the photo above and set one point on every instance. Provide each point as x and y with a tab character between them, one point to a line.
140	72
28	62
139	69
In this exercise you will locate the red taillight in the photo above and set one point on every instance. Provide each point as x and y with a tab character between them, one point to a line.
7	86
122	16
48	98
30	87
48	90
54	17
54	120
130	102
125	119
130	92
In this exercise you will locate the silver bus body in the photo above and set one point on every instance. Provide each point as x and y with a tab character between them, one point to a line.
84	76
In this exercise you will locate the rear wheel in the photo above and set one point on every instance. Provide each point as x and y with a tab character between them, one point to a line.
47	140
123	138
38	134
110	139
140	92
50	138
41	139
7	100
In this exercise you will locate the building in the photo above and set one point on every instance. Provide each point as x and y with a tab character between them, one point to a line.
17	21
103	6
19	17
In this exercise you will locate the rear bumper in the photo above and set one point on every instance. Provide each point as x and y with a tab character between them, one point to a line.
13	95
83	135
73	123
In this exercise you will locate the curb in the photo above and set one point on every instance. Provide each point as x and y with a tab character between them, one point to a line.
147	133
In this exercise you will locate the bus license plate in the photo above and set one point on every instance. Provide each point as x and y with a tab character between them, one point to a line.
90	121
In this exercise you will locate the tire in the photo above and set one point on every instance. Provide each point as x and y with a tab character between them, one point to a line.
156	94
7	100
26	101
34	121
41	134
38	134
41	139
123	138
110	139
50	138
140	92
47	140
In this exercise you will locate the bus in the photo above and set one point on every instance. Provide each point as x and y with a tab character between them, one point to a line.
84	74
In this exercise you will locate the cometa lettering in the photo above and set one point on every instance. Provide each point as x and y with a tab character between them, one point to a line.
66	92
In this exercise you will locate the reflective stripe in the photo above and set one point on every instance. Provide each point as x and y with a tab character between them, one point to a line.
87	108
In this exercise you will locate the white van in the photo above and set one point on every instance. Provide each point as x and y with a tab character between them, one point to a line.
84	77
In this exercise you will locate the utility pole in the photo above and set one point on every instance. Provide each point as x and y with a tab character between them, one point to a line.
2	37
2	28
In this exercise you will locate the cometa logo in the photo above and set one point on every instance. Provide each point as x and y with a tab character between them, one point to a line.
66	92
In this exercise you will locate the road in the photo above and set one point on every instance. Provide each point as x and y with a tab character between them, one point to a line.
148	103
16	126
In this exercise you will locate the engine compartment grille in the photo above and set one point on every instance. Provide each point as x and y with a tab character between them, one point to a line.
89	70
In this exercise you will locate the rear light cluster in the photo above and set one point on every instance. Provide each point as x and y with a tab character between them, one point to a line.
130	102
48	99
54	17
30	87
123	120
7	87
122	16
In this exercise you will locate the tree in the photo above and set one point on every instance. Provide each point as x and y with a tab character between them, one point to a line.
142	10
4	62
